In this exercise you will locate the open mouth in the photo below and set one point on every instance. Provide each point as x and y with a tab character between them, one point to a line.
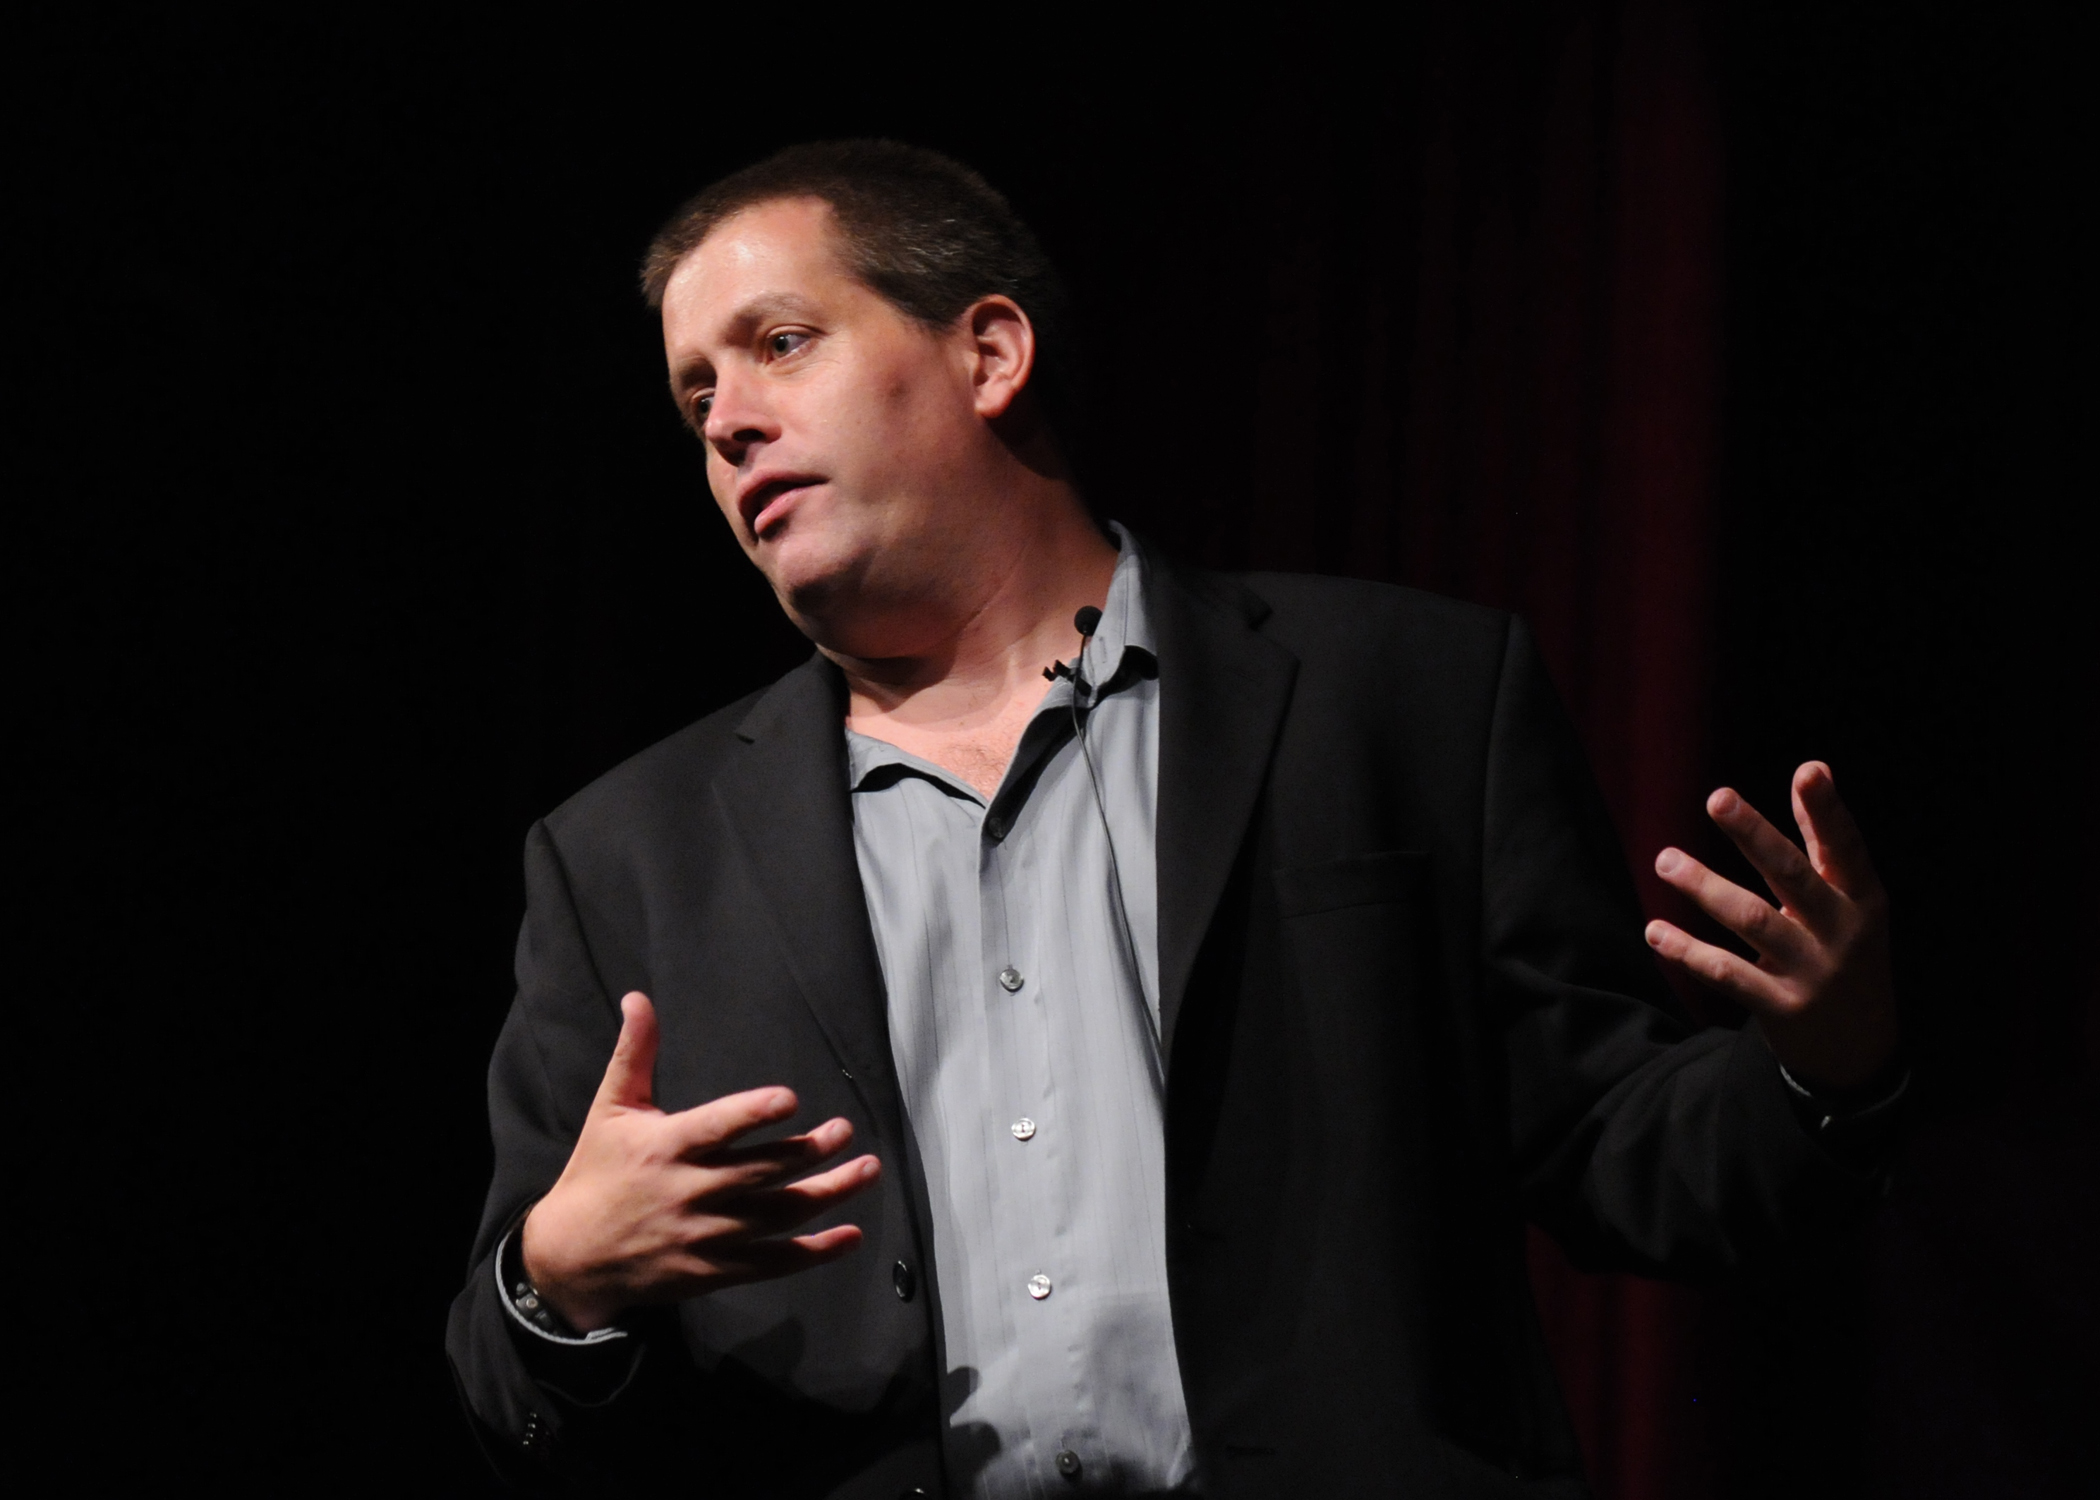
768	504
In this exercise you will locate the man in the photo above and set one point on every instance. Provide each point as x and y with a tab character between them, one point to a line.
1198	981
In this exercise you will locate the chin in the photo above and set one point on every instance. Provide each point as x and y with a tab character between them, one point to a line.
809	573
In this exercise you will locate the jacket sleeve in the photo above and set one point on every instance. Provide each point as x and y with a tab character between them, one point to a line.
1638	1142
522	1392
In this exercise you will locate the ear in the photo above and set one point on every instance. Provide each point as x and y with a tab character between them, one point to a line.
1002	351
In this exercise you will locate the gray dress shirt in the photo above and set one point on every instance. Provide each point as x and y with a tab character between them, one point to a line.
1019	950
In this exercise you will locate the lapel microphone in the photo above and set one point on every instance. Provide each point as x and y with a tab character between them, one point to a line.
1086	622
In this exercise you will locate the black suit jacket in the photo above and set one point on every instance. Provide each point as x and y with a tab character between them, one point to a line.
1406	1006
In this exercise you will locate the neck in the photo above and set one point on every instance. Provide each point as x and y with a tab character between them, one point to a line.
963	692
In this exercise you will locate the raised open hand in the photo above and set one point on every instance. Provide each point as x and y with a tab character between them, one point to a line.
654	1207
1821	986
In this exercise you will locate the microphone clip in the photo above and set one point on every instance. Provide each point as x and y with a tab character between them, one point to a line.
1082	690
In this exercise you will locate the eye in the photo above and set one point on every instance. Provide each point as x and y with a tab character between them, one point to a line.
785	342
701	407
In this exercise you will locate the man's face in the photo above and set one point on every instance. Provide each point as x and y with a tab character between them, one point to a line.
840	433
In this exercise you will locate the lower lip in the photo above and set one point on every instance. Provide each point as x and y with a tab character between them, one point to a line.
777	508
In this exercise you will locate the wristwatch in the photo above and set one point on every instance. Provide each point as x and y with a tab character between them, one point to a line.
524	1297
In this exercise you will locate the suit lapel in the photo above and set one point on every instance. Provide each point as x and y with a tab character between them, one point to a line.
1223	690
786	796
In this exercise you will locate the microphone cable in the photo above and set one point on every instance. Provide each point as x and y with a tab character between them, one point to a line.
1086	622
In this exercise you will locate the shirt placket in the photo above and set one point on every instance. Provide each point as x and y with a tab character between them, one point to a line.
1034	1228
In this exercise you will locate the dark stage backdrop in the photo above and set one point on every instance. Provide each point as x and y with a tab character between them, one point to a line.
1727	344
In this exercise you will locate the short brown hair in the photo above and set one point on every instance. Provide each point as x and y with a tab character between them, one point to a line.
919	229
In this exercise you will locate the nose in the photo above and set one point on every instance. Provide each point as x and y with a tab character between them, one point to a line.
737	418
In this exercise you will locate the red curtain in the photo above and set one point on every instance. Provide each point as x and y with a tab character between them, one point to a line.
1482	357
1559	460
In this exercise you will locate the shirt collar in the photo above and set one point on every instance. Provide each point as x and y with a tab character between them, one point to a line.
872	764
1126	622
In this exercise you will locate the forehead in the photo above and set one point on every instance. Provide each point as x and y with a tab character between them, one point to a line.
782	251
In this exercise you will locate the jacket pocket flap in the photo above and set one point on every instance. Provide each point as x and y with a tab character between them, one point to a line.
1360	880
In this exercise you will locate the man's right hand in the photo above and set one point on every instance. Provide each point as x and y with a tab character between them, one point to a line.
655	1207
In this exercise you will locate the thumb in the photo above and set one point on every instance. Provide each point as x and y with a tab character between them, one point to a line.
630	1077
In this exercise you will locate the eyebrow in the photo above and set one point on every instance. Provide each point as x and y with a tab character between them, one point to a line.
739	327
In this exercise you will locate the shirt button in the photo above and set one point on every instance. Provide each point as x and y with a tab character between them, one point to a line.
1023	1129
1011	978
904	1280
1039	1286
1068	1463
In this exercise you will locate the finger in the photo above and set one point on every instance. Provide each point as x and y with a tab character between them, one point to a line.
775	1161
710	1126
739	1215
1773	855
630	1076
766	1260
778	1211
727	1219
1750	917
829	1242
1835	844
1748	984
820	1190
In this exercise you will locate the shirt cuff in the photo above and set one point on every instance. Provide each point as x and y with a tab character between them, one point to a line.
519	1299
1832	1110
1857	1127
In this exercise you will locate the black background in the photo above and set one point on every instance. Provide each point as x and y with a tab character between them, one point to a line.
359	532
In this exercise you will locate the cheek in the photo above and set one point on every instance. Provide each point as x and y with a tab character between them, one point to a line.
917	409
866	432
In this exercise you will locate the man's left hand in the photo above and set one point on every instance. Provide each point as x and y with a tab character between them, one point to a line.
1821	985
